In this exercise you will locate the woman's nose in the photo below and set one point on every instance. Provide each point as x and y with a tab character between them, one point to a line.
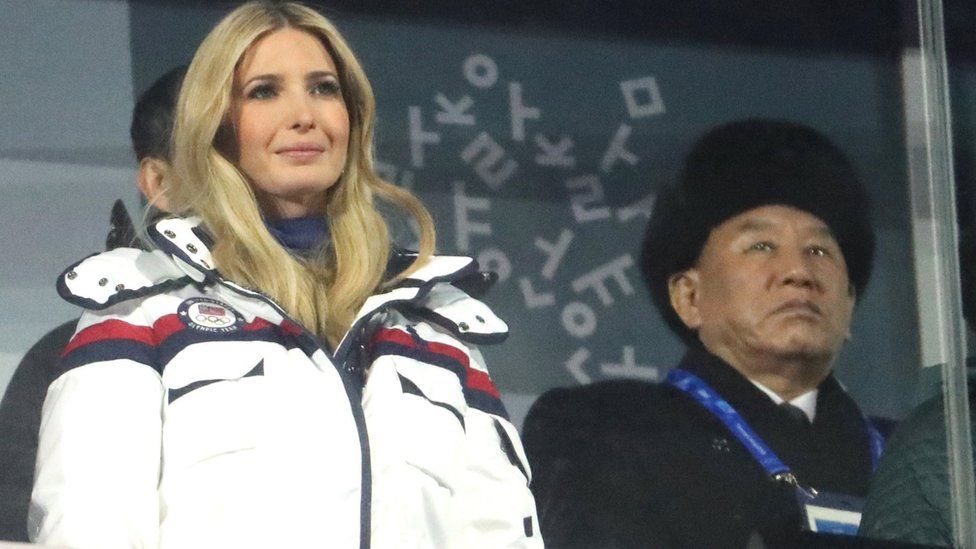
301	114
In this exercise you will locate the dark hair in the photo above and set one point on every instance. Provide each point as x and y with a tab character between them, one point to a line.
152	117
744	165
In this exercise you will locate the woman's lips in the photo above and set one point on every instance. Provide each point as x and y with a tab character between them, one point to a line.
302	152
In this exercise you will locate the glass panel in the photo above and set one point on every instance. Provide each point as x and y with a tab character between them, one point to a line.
942	198
929	458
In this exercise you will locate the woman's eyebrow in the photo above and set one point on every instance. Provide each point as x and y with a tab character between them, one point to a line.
274	78
318	75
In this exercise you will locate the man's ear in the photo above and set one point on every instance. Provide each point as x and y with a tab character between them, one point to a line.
683	291
153	173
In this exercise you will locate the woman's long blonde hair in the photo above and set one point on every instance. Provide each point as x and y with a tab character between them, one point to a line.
323	293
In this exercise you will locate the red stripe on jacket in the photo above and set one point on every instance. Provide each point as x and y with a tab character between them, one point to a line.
110	329
476	379
164	327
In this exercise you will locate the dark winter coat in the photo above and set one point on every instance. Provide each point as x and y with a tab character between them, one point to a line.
909	496
630	464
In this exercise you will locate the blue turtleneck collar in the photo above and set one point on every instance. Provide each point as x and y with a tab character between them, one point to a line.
300	234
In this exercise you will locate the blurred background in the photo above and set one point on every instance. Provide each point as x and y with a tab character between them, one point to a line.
537	132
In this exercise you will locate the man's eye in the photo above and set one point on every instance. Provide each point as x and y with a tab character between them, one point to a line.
326	87
761	246
263	91
818	251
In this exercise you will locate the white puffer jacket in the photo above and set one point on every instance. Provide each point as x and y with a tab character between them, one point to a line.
192	412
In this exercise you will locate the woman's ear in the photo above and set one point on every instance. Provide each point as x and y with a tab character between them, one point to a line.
683	291
153	173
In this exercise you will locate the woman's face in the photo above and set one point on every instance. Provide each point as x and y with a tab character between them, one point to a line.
291	123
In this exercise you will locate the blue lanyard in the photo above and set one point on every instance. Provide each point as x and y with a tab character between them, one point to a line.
703	394
877	443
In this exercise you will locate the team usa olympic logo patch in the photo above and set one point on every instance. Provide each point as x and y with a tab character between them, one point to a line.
209	315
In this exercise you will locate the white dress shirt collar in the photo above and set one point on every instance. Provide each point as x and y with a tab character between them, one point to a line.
806	402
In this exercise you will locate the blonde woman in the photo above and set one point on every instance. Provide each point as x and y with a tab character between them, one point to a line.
274	374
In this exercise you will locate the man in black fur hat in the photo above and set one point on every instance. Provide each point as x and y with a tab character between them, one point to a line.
756	259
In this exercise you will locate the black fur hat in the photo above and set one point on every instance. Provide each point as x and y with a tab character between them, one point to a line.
744	165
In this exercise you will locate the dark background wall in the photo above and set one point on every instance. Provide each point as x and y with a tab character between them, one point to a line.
588	107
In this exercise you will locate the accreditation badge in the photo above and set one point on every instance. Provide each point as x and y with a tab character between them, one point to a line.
830	513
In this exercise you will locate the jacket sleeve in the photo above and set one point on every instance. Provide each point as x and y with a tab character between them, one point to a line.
20	419
442	449
498	509
98	460
908	499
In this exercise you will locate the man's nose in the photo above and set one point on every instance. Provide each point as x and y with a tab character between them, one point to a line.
796	269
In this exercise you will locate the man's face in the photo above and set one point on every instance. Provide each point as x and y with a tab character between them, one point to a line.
770	283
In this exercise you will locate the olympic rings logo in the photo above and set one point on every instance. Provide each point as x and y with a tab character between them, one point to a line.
209	315
214	320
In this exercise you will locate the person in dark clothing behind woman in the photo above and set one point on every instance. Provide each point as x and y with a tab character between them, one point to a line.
20	409
756	259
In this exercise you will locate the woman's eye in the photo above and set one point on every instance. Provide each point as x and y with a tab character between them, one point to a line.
326	87
761	246
818	251
262	91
